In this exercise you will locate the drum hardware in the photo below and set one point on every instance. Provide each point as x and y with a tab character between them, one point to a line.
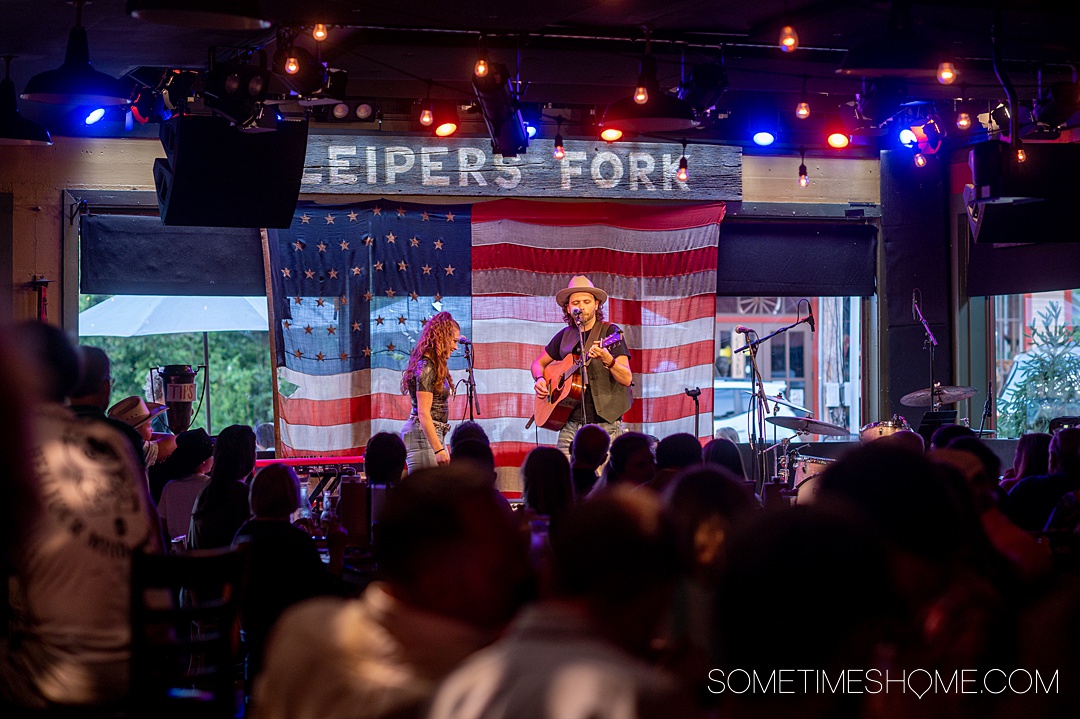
779	400
808	425
886	428
937	396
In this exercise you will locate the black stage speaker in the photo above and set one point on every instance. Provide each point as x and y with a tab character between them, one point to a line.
217	176
1023	202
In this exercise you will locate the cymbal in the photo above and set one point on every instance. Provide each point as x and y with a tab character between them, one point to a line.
941	395
781	401
810	426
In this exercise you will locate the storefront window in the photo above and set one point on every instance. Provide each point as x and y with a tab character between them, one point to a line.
1036	360
816	374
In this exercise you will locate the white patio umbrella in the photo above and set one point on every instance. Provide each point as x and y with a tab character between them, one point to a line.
137	315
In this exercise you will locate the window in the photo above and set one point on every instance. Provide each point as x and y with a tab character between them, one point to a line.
815	373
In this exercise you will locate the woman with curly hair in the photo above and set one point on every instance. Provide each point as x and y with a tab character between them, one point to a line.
427	381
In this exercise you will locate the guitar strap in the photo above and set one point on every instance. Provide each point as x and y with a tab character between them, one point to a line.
571	338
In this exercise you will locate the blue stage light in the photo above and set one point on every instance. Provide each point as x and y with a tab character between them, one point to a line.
95	116
764	138
907	138
531	130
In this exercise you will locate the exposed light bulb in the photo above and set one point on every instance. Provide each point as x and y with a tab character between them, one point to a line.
963	121
446	129
804	177
560	151
789	39
641	94
481	67
946	73
1021	156
610	134
427	117
920	159
319	32
292	65
682	174
802	110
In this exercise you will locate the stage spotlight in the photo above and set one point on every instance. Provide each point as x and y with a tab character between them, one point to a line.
444	117
94	116
610	134
907	138
708	83
235	91
499	107
838	140
764	138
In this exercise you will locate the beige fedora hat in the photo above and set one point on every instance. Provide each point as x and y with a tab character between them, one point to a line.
580	283
134	410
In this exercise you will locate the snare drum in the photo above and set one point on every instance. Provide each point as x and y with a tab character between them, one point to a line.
807	471
877	430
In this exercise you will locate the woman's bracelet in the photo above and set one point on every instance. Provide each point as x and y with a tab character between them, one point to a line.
441	449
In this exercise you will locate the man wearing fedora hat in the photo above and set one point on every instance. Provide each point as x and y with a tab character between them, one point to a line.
608	395
137	413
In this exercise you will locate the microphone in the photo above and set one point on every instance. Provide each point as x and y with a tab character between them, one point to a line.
576	311
743	330
810	318
914	306
464	340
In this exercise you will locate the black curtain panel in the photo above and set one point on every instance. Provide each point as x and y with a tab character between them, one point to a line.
137	255
788	259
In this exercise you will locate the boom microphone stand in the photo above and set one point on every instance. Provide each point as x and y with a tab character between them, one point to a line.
578	322
470	381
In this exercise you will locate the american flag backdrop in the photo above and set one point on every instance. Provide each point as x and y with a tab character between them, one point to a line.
353	284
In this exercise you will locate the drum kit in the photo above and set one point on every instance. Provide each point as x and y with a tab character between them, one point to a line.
806	471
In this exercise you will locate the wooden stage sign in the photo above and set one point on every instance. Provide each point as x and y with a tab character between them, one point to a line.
416	165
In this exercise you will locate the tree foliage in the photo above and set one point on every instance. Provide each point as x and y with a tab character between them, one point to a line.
1046	382
240	375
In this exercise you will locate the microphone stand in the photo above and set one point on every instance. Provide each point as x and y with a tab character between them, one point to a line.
760	407
929	343
987	408
470	383
694	394
584	368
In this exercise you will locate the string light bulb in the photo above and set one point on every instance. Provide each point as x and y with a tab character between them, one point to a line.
319	32
481	67
804	176
292	65
641	94
802	110
789	39
963	120
427	117
559	152
946	73
1021	156
920	159
683	174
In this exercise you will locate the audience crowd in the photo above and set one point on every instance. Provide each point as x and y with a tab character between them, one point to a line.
639	578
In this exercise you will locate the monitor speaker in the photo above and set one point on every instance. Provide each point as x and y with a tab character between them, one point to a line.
218	176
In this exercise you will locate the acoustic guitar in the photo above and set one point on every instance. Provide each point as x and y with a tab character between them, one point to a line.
564	388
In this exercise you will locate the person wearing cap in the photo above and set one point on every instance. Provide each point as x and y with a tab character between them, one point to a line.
137	413
608	395
188	468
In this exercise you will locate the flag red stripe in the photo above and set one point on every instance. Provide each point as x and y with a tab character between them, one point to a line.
571	214
670	311
635	264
